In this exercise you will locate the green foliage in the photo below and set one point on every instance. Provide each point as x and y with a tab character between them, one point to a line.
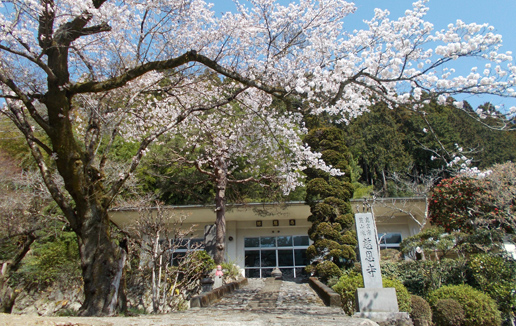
362	191
326	270
54	258
346	288
496	276
351	281
199	263
422	277
14	145
420	308
479	308
328	196
8	248
376	141
122	150
167	180
448	312
396	141
230	270
432	240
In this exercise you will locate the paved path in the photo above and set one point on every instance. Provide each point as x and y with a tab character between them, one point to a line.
261	302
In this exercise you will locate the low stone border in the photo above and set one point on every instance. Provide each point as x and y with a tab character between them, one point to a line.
327	295
206	299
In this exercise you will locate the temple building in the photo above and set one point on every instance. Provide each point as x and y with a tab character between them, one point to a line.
260	237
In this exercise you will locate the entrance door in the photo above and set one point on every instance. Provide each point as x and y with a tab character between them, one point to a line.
263	254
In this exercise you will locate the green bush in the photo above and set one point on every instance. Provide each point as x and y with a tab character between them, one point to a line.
496	276
326	270
231	270
346	287
201	262
480	309
350	282
448	312
422	277
420	309
53	258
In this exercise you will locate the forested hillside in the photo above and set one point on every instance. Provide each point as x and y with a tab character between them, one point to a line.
400	145
394	150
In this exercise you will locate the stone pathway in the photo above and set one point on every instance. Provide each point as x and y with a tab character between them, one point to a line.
261	302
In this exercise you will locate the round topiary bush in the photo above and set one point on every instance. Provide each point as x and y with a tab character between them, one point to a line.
327	269
448	312
479	308
350	282
421	310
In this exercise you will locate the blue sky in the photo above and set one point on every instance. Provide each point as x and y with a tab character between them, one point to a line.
499	13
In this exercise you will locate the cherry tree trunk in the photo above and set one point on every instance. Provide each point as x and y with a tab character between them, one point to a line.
221	173
101	262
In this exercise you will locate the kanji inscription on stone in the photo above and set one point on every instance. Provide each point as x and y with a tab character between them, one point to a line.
368	247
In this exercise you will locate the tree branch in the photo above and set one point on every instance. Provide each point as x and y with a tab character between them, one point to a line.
26	101
37	61
190	56
14	263
33	143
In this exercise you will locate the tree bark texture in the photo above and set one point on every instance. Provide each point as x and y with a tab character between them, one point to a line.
101	262
221	174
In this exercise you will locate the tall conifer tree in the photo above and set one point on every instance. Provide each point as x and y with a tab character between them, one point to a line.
331	216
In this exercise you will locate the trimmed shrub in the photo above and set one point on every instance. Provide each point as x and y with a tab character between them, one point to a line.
422	277
326	270
350	282
420	309
479	308
332	218
346	287
496	276
448	312
451	202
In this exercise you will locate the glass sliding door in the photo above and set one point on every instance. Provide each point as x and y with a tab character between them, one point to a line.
263	254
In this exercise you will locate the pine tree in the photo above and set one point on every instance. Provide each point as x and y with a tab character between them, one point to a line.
332	219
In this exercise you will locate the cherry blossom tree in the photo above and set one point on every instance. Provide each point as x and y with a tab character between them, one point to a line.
77	69
244	142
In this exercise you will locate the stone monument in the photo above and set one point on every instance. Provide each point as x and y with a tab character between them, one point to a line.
373	297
